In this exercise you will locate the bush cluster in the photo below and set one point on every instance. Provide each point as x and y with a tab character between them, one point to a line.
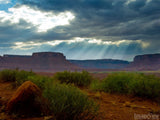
137	84
15	76
78	78
20	76
69	103
8	76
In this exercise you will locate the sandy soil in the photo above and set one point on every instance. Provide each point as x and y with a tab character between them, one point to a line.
123	107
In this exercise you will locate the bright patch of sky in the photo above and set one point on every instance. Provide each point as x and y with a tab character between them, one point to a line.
43	21
130	1
32	44
6	4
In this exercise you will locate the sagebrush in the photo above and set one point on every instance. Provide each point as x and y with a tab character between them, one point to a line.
137	84
78	78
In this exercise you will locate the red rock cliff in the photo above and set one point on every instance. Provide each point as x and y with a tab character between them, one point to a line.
42	61
146	62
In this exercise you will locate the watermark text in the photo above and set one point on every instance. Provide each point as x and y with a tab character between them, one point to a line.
146	116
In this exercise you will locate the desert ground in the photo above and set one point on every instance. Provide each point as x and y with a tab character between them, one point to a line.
112	106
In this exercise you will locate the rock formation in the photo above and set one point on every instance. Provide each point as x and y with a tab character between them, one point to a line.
53	62
27	101
43	61
145	62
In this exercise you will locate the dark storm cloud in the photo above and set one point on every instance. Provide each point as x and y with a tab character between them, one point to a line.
11	33
71	5
95	18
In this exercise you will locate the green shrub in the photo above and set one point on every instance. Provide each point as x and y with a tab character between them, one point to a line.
78	78
19	77
96	85
8	75
117	82
137	84
40	81
22	76
68	102
15	75
145	86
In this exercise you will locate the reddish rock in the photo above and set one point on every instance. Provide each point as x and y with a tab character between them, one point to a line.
27	101
53	62
42	61
150	62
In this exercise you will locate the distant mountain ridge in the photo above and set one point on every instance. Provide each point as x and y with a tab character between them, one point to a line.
101	64
53	62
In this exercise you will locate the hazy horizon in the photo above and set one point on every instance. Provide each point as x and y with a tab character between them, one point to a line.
77	59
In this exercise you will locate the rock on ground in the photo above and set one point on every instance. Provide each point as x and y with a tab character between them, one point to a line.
27	101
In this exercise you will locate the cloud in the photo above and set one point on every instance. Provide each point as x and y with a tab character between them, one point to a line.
30	44
42	20
107	18
129	1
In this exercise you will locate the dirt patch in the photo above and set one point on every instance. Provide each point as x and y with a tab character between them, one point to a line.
6	92
123	107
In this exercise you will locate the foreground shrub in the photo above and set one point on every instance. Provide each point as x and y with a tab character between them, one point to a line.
78	78
69	103
132	83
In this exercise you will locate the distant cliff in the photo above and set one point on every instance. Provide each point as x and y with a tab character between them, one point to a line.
101	64
145	62
53	62
42	61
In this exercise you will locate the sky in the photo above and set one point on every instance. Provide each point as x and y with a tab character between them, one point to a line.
80	29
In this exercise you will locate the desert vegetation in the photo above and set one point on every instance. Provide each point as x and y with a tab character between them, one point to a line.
66	98
68	102
77	78
15	76
137	84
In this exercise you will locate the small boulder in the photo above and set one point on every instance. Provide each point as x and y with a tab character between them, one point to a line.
27	101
